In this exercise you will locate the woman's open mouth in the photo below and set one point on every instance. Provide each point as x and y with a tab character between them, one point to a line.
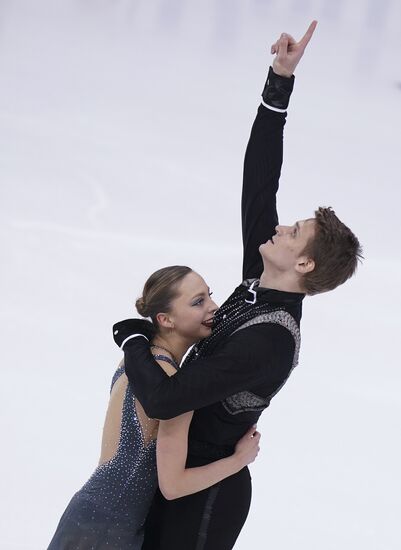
208	323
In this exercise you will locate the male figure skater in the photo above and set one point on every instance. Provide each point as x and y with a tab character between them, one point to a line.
230	377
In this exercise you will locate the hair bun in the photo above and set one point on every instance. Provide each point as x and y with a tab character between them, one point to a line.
141	307
160	290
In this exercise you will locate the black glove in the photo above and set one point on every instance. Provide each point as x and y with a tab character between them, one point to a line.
124	329
277	90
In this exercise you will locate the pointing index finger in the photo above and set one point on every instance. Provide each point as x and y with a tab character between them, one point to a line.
308	35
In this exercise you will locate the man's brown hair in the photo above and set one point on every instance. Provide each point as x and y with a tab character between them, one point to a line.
335	250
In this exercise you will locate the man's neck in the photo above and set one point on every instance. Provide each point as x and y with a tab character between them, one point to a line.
279	281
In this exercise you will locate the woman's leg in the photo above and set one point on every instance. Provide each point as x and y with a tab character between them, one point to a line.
208	520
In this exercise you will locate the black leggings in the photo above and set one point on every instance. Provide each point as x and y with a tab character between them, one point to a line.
209	520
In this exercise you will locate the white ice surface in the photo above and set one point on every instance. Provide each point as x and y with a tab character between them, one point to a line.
122	131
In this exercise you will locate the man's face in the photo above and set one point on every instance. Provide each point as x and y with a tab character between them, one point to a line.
284	251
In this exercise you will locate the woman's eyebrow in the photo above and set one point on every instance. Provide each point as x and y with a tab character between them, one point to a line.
202	293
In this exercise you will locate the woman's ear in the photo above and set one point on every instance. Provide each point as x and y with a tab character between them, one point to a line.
164	320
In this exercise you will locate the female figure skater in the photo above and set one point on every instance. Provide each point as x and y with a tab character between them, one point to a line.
109	511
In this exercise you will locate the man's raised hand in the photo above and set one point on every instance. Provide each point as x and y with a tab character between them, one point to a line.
289	52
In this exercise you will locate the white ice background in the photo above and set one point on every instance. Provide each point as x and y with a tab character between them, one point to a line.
123	125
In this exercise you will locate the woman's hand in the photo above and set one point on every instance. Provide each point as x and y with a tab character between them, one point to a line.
247	448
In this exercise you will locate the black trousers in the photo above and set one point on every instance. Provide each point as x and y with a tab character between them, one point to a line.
209	520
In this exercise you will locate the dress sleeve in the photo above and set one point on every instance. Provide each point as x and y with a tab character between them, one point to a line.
253	356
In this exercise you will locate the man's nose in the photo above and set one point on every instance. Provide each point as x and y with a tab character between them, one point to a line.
281	229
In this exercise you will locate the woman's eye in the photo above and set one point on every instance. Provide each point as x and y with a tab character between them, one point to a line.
210	293
201	300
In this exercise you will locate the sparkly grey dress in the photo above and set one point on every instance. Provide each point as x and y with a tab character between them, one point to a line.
110	510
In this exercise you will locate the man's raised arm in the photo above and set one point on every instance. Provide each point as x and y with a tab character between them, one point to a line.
264	154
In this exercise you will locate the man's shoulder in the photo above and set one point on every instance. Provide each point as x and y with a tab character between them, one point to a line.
274	334
276	321
265	332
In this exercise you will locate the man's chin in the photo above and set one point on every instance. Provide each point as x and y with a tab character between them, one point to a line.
264	251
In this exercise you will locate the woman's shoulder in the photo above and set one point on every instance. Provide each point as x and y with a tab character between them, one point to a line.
120	370
166	363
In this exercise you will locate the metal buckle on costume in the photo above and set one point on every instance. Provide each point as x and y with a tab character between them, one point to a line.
253	292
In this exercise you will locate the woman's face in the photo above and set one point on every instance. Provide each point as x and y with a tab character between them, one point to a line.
192	311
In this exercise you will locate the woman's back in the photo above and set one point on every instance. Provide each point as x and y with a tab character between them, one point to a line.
109	511
114	440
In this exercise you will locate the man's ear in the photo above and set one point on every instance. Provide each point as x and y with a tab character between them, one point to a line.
164	320
304	265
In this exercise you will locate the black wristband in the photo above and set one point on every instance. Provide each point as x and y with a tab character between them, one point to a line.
277	90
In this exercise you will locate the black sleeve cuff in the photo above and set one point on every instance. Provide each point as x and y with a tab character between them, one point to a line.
277	90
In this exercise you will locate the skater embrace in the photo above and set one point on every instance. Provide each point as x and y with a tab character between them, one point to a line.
182	481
